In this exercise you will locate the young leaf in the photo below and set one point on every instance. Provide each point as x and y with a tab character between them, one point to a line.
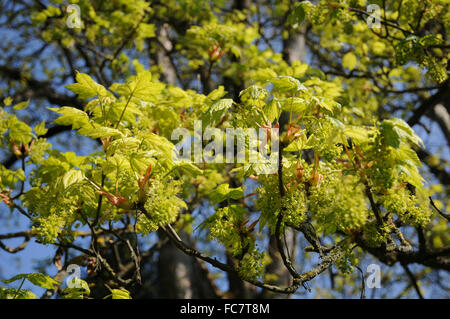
79	290
349	61
216	112
120	294
72	177
71	116
40	129
36	279
217	93
286	83
297	15
272	110
21	105
86	88
223	192
7	101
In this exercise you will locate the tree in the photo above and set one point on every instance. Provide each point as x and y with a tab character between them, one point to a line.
336	85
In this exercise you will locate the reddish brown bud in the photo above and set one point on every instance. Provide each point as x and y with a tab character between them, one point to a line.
117	201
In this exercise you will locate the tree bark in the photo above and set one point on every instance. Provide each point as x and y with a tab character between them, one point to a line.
182	276
162	55
179	275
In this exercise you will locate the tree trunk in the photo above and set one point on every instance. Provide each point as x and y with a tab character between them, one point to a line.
182	276
179	275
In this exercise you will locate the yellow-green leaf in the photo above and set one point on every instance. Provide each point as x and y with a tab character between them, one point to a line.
86	87
40	129
349	61
21	105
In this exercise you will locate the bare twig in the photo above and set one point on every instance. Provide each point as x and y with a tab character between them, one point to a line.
414	281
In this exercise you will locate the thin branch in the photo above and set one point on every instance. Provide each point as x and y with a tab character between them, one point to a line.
446	216
122	45
363	284
302	279
414	281
286	261
382	21
16	249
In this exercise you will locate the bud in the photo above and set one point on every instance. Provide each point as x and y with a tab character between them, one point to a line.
106	142
300	170
15	149
26	150
117	201
317	179
6	199
216	52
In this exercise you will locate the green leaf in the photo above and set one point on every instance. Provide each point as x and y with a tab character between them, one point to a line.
430	39
328	104
216	112
86	88
100	131
19	131
14	293
390	135
21	105
404	131
161	145
272	110
72	177
263	74
80	290
36	279
7	101
404	50
189	168
349	61
397	130
71	116
139	162
217	93
116	163
73	293
120	294
253	92
411	175
143	88
294	104
223	192
358	134
140	87
221	105
297	15
300	143
40	129
406	154
284	83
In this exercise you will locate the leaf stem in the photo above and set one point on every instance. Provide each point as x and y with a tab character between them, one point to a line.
20	287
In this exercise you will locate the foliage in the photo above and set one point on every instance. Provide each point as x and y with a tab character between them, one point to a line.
348	171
